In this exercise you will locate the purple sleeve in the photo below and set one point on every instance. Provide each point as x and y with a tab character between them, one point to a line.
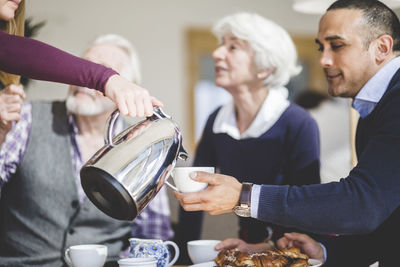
37	60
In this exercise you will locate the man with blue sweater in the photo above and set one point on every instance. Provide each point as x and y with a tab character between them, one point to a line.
359	43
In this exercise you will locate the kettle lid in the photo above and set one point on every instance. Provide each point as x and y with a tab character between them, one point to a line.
107	194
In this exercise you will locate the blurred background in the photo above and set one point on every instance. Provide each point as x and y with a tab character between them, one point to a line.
174	43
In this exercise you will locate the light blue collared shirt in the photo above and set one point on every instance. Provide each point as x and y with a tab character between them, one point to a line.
369	96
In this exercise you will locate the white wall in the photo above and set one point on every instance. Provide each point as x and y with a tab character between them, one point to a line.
156	27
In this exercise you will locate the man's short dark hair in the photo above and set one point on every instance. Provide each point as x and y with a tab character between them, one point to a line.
379	19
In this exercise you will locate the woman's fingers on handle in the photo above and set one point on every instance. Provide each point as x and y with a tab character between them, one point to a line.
121	105
148	108
156	102
130	98
131	106
140	111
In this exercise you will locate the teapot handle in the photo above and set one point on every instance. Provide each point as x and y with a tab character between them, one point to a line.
159	113
109	129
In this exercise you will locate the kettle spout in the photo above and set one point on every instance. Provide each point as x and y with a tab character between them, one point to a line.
182	154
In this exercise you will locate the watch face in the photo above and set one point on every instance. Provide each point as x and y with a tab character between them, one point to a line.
241	211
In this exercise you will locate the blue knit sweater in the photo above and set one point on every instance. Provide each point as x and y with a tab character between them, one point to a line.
367	201
286	154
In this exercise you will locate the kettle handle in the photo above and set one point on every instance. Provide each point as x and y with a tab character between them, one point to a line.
159	113
109	129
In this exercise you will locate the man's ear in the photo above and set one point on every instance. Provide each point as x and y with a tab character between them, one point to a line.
384	48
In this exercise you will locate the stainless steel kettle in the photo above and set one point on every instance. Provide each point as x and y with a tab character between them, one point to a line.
127	172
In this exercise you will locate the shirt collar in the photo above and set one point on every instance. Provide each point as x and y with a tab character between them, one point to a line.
370	94
272	108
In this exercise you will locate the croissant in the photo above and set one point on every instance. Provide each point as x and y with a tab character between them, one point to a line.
244	259
294	253
272	258
226	257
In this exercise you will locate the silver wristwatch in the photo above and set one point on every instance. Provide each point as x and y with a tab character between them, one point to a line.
242	209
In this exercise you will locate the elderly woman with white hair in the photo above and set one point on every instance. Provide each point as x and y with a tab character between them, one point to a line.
260	135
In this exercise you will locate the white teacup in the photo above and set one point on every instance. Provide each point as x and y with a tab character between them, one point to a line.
131	262
86	255
202	250
183	182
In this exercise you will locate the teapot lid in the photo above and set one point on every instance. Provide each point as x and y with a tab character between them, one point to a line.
107	194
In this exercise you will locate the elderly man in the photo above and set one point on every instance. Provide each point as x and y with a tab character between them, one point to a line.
43	207
359	43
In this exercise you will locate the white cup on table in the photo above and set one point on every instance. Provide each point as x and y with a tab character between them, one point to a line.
202	250
183	182
90	255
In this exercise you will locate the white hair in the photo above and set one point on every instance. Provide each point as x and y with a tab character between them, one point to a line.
132	71
271	43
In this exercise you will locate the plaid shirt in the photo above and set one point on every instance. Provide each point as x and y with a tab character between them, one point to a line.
154	222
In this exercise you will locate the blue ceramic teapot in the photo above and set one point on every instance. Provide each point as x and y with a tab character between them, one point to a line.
155	248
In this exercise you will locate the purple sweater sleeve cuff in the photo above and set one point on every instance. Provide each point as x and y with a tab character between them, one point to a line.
37	60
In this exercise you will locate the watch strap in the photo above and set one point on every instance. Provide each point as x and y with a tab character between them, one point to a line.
245	194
